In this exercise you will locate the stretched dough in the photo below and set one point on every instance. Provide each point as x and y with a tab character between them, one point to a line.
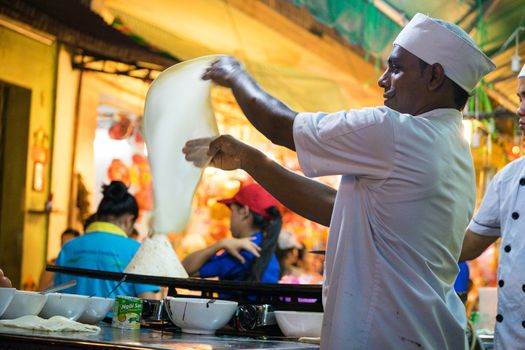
178	109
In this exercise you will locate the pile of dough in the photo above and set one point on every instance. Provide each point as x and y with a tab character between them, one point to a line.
54	324
156	257
177	109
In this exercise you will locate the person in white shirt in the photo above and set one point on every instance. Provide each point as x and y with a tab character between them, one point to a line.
406	194
502	214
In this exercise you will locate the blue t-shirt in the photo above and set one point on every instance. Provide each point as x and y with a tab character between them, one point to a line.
461	284
100	251
226	267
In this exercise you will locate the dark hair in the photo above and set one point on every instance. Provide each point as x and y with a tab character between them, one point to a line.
281	255
116	202
89	220
271	229
70	231
460	95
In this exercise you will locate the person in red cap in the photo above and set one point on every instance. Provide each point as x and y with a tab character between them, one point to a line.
255	224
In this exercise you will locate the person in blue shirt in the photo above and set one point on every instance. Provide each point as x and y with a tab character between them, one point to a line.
461	285
255	224
105	246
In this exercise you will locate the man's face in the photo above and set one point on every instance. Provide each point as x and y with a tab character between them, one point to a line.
521	108
403	82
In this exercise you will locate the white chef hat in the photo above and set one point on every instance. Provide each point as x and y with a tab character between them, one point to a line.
522	73
437	41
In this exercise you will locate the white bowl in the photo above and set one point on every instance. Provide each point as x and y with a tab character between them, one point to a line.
96	309
6	295
296	324
25	303
200	316
67	305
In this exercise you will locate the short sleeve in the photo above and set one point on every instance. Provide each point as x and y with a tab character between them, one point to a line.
225	266
355	142
486	222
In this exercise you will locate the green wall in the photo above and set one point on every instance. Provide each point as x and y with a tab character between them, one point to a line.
32	64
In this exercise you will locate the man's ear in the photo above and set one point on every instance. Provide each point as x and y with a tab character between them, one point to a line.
437	78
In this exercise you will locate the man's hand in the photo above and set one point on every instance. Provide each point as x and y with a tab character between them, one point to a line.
224	152
4	281
273	118
224	71
235	245
196	151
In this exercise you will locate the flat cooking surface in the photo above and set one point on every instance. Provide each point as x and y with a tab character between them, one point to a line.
115	338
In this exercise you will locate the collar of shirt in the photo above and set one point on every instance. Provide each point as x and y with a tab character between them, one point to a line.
100	226
441	111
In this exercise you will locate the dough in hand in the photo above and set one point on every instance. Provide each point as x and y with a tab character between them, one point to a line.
178	109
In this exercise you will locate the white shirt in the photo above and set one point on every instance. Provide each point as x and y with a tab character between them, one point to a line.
406	195
502	213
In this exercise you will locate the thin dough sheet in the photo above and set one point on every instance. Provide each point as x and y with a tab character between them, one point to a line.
178	108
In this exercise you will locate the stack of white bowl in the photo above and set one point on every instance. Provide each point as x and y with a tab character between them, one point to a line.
17	303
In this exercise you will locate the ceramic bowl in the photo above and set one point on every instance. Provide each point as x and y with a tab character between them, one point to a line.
25	303
200	316
296	324
6	295
96	309
67	305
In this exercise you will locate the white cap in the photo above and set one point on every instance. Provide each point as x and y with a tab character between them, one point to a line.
522	73
437	41
288	241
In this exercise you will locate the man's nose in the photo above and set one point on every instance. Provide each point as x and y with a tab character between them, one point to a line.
382	81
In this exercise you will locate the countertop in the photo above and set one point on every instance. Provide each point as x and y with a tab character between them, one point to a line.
108	337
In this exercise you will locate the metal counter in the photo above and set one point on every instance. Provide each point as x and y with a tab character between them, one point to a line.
113	338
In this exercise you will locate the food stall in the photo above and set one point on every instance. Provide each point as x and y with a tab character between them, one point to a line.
250	328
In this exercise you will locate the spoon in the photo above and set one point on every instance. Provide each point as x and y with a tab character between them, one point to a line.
114	288
61	286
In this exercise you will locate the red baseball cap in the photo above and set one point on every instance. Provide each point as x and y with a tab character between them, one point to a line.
254	197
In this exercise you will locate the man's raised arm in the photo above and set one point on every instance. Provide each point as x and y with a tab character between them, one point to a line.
269	115
308	198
